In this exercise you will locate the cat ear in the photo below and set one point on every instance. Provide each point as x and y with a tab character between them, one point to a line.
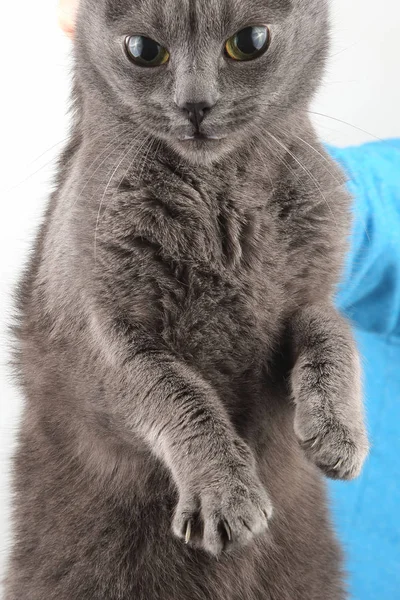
66	15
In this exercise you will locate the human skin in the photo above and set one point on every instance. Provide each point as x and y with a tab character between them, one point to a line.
66	15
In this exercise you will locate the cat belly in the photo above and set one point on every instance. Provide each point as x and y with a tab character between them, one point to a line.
225	334
79	539
132	561
135	562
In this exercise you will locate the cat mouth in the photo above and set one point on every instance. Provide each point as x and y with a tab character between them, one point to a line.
202	137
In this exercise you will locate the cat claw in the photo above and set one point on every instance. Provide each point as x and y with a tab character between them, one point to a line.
338	464
188	532
227	530
310	443
267	515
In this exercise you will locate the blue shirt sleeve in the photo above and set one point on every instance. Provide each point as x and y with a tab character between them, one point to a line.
367	510
369	293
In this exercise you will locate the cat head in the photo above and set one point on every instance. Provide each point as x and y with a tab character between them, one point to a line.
204	76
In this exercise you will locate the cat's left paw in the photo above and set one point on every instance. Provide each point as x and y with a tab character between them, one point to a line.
335	448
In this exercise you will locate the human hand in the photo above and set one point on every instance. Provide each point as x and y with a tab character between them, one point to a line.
66	15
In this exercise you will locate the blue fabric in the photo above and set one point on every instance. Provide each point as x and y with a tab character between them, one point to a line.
367	511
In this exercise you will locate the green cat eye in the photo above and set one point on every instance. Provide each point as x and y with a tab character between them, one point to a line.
145	52
249	43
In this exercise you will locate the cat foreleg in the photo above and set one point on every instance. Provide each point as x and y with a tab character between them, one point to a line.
326	386
158	397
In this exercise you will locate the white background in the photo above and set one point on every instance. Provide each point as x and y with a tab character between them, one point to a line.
362	87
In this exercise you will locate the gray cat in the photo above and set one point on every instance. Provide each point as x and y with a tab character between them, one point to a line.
187	378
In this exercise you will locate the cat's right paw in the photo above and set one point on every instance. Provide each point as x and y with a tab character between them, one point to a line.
338	449
226	514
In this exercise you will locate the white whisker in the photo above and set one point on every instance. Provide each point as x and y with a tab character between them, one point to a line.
307	171
124	155
129	167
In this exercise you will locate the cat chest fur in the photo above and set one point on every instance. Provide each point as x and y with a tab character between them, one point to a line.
198	264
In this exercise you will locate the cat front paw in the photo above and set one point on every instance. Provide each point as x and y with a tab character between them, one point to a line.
224	514
337	449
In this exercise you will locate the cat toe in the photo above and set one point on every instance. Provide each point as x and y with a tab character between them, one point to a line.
339	452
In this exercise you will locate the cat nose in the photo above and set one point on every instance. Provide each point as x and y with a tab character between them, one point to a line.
196	111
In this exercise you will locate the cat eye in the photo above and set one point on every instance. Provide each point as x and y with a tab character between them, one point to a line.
248	43
145	52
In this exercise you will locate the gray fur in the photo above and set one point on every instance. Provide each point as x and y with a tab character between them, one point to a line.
177	344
